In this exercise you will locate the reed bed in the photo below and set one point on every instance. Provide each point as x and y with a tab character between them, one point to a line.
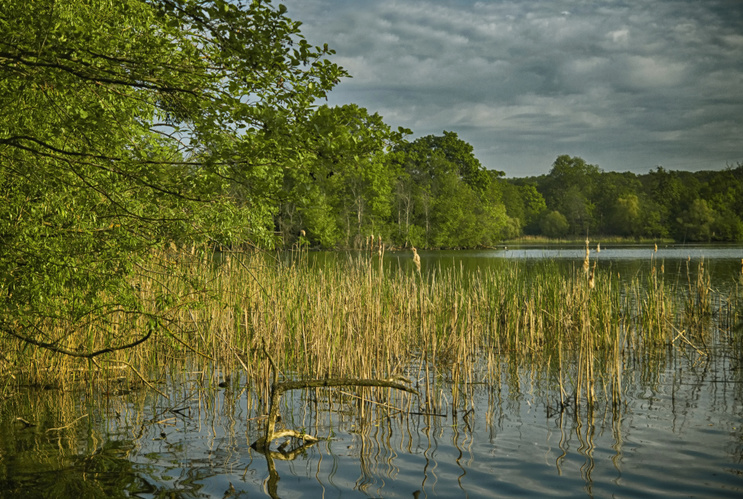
218	313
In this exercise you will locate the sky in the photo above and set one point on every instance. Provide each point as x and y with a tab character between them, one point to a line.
627	85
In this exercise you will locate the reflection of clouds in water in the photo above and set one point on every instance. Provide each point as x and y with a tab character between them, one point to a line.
514	431
721	261
610	252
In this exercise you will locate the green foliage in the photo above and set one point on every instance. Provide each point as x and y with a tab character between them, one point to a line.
444	197
686	206
341	190
554	224
698	221
569	189
525	205
126	125
626	215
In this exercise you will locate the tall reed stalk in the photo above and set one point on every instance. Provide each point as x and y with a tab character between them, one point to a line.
356	317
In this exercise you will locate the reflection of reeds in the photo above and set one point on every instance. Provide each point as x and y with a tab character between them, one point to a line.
352	318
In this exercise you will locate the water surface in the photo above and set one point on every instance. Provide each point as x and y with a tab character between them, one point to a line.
677	432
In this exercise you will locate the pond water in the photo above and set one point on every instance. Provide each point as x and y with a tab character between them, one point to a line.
723	262
677	432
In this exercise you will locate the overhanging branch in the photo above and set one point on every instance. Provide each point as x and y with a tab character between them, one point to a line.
53	348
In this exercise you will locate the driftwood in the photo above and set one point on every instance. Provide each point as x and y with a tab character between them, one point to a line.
278	389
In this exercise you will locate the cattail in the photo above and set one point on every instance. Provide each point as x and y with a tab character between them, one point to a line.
416	260
591	281
656	248
381	256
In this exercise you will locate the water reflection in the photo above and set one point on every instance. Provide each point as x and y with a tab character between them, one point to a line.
49	449
677	430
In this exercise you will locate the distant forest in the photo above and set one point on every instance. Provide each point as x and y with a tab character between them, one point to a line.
579	199
434	193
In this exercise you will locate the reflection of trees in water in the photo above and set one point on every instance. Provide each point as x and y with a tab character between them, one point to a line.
51	445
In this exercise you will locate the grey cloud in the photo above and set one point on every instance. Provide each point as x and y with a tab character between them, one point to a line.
632	83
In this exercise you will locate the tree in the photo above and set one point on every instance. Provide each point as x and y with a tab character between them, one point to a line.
724	192
665	190
698	221
554	224
128	124
626	216
444	195
609	189
570	188
705	205
524	204
347	166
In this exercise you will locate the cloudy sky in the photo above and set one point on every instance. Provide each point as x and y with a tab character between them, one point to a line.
627	85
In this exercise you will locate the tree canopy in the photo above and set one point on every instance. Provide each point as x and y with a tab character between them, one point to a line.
129	124
444	196
685	206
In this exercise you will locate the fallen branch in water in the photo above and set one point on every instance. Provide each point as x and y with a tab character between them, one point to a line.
278	389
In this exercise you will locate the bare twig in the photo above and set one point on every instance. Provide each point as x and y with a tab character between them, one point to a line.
142	378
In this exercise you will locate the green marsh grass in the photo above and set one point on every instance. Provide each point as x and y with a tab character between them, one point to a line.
447	330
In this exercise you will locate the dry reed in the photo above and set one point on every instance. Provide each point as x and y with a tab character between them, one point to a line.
447	329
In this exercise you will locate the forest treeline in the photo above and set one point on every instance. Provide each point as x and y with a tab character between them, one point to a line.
131	127
579	199
433	192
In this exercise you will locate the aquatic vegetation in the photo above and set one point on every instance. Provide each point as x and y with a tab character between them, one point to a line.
447	329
